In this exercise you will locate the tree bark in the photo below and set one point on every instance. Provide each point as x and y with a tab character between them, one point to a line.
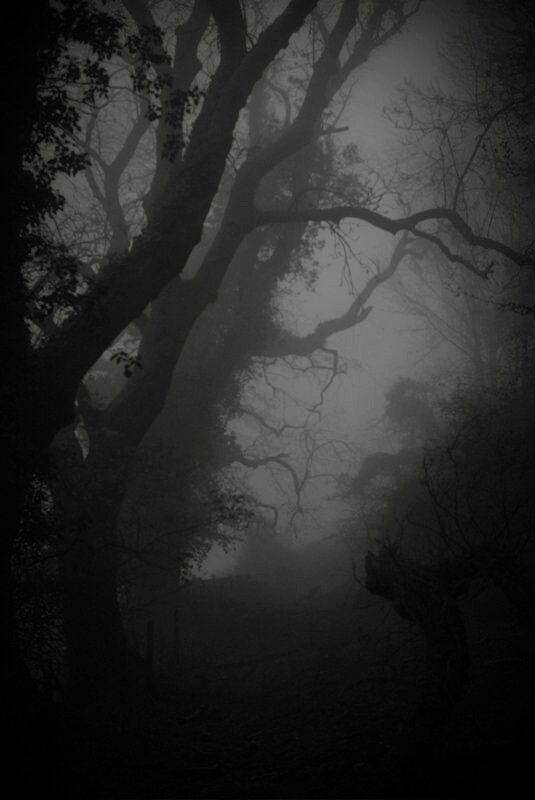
87	498
130	281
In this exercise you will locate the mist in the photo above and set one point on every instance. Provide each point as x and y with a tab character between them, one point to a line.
269	389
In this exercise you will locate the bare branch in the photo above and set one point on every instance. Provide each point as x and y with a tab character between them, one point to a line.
396	225
357	313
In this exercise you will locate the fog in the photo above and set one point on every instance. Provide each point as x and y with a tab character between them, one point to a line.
269	416
386	346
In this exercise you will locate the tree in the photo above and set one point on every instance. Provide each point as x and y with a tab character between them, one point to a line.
467	516
115	432
457	516
39	146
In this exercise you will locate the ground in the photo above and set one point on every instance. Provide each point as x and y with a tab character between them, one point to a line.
313	697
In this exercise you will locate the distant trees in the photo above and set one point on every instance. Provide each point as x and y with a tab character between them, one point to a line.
465	520
457	514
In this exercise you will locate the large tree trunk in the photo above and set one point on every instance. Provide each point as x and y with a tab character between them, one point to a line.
95	641
130	281
88	498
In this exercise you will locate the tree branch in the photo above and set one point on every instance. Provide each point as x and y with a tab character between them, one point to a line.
357	313
396	225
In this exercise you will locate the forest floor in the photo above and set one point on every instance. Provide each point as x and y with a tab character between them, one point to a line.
314	698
